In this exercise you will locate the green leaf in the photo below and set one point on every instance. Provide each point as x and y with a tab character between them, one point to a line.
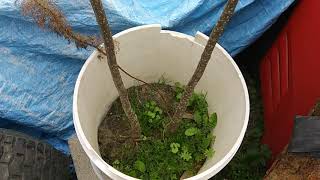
184	148
199	157
140	166
132	173
205	119
179	96
178	85
153	103
157	109
174	147
190	102
213	139
116	162
151	114
197	117
173	177
191	131
209	152
213	120
186	156
144	138
154	175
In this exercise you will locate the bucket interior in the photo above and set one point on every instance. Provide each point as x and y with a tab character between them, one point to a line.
149	53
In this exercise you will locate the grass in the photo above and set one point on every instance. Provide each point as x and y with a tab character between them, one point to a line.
160	156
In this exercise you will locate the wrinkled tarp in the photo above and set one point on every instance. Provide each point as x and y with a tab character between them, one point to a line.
38	70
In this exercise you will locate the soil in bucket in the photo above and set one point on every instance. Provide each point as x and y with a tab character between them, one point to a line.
158	154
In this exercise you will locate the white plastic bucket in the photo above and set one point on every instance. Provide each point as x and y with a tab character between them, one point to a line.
148	52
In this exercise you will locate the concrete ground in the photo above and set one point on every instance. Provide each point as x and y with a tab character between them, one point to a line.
81	161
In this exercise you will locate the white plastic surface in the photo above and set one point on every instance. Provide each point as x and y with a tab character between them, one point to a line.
148	52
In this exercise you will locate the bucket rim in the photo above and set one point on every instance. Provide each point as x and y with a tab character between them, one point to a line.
107	169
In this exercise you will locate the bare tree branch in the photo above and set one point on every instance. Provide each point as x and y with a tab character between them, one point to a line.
113	66
205	57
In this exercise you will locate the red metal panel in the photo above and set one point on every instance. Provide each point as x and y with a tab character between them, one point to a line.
275	76
284	64
290	74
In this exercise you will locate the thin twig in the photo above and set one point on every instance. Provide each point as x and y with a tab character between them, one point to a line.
128	74
117	137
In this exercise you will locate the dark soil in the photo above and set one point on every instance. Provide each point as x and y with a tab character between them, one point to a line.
114	131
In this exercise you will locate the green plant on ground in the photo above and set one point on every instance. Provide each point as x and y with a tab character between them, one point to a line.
168	157
250	162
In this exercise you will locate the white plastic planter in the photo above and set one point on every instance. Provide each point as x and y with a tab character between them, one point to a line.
149	52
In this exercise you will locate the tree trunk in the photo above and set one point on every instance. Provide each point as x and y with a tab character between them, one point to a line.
205	57
113	66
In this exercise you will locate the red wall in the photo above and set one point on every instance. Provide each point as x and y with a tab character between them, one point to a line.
290	74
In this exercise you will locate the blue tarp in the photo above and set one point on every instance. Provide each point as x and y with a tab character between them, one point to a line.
38	70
